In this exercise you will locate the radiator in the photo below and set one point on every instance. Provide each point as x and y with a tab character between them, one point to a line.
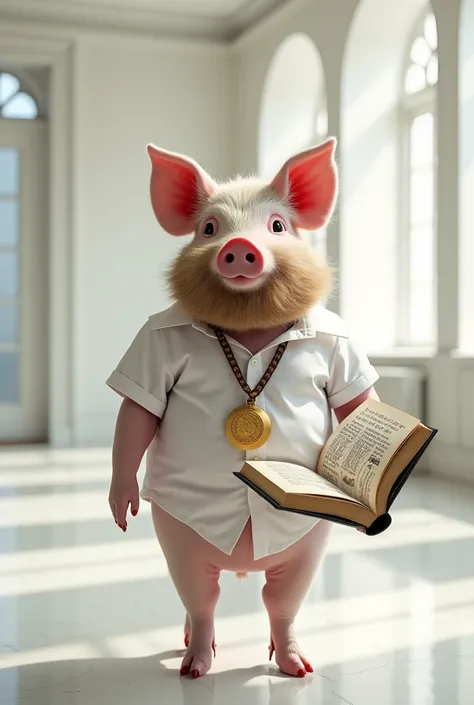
403	388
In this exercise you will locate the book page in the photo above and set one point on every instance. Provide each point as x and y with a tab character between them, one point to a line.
357	454
297	480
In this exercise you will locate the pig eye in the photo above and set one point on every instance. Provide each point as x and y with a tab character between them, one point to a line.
210	227
276	224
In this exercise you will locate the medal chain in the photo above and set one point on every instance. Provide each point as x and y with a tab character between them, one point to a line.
252	394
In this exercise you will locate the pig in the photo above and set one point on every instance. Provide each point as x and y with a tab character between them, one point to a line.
249	273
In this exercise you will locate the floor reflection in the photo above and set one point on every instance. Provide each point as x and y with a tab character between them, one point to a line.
88	615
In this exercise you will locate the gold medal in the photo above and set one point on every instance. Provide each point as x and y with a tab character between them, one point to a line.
247	427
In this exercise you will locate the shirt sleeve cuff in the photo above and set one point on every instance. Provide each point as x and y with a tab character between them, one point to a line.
361	384
127	388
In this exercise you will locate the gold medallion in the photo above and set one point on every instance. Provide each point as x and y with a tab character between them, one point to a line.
247	427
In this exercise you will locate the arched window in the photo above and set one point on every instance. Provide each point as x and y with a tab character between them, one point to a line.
293	112
373	221
418	209
15	102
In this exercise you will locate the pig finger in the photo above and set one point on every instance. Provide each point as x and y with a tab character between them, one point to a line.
121	514
135	504
113	509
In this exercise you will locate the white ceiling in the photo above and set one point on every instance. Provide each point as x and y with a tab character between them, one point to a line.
217	19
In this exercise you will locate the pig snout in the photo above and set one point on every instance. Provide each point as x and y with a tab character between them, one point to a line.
240	257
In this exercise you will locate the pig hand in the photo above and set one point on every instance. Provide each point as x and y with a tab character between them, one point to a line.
124	491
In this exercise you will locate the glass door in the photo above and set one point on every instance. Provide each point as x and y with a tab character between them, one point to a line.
23	282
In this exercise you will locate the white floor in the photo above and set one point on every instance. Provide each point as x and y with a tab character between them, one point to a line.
88	615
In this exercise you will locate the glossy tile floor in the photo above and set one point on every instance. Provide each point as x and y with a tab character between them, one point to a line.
88	615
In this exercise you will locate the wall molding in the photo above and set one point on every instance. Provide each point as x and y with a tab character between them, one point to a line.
145	20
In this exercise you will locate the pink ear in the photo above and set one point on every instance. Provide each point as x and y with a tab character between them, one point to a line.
309	181
178	185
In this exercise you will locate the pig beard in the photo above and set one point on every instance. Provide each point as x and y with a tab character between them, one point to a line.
300	279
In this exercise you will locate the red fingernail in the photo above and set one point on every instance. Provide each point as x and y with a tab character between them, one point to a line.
184	671
301	673
134	512
195	674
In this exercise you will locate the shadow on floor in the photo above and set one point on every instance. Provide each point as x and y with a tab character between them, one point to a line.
144	681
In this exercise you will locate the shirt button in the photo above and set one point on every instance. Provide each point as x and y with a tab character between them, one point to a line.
254	361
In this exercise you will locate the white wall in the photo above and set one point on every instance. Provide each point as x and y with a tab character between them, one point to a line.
129	92
111	94
206	100
369	113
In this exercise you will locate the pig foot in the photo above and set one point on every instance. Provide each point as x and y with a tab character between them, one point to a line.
198	658
288	581
288	655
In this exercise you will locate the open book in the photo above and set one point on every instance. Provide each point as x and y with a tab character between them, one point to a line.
361	469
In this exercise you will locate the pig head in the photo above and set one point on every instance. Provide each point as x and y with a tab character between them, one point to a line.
247	266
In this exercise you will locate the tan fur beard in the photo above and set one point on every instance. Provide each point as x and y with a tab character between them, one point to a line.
300	280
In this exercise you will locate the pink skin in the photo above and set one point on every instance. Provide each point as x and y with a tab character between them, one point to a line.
289	574
240	259
288	577
134	431
241	262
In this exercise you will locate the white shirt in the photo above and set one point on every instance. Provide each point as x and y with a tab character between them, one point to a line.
177	370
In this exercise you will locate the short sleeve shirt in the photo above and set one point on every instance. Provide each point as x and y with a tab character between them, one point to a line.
176	369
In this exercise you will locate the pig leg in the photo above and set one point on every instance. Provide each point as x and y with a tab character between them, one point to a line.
196	578
187	634
287	583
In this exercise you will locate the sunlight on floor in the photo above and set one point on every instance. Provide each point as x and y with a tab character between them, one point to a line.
88	615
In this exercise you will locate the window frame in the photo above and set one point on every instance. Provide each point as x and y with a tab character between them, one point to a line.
22	88
411	106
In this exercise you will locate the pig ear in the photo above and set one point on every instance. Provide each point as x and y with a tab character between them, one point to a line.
178	186
309	181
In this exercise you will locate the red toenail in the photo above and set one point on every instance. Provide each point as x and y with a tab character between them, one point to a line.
134	512
195	674
186	641
184	671
309	668
301	673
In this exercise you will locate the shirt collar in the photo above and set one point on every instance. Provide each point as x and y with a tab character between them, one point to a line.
318	320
